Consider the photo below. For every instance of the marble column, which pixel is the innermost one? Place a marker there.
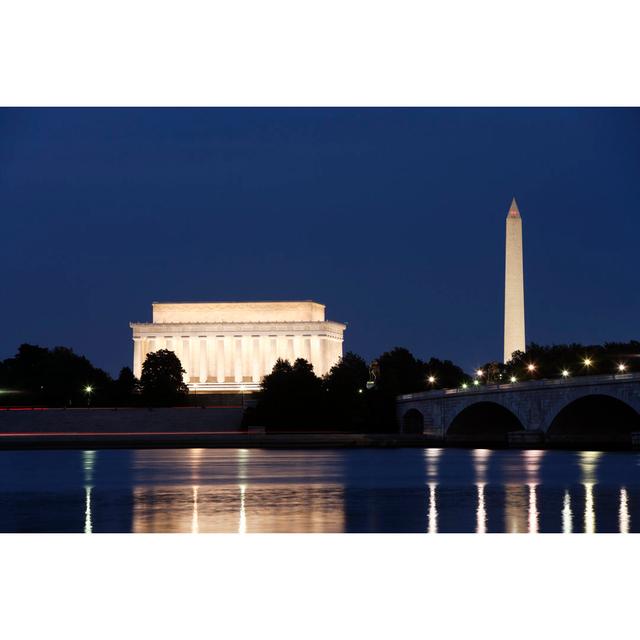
(297, 347)
(186, 358)
(237, 357)
(257, 359)
(229, 374)
(212, 364)
(273, 352)
(203, 359)
(316, 354)
(137, 357)
(247, 357)
(220, 359)
(195, 358)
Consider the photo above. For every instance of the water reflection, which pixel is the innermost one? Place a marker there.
(589, 470)
(88, 465)
(533, 509)
(432, 458)
(247, 491)
(195, 525)
(567, 515)
(624, 517)
(220, 500)
(242, 525)
(481, 464)
(521, 500)
(433, 509)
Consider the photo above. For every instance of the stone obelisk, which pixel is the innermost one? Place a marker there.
(514, 339)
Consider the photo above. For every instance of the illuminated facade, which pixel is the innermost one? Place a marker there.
(514, 339)
(232, 345)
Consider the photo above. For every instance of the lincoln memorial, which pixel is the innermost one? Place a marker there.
(232, 345)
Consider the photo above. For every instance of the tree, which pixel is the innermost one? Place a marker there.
(291, 397)
(345, 392)
(401, 372)
(125, 387)
(54, 377)
(445, 373)
(162, 380)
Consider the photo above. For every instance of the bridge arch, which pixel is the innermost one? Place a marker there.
(484, 420)
(594, 417)
(413, 422)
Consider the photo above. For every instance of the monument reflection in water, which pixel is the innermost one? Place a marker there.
(365, 490)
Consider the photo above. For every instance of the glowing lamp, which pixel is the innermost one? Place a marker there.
(565, 373)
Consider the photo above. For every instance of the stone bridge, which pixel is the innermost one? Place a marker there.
(589, 408)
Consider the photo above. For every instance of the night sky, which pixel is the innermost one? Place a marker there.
(393, 218)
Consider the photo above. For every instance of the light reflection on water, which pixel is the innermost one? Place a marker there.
(88, 462)
(589, 468)
(365, 490)
(567, 515)
(481, 465)
(625, 518)
(432, 456)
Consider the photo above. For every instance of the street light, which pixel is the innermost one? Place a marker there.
(479, 373)
(464, 385)
(622, 367)
(513, 379)
(587, 362)
(476, 383)
(88, 391)
(431, 379)
(565, 373)
(531, 367)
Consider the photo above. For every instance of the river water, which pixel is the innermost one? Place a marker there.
(346, 490)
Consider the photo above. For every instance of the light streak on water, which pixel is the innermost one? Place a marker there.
(589, 509)
(589, 468)
(481, 513)
(433, 509)
(432, 458)
(195, 524)
(242, 525)
(88, 466)
(88, 525)
(567, 515)
(624, 516)
(533, 509)
(481, 463)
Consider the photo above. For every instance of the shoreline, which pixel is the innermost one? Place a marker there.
(243, 440)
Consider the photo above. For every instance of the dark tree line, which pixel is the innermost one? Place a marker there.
(59, 377)
(352, 397)
(563, 360)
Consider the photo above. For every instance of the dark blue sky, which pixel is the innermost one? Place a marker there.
(393, 218)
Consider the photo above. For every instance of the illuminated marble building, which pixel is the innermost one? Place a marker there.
(228, 346)
(514, 335)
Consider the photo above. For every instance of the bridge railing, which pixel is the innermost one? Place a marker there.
(527, 384)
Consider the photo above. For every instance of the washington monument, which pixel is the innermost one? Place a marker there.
(514, 339)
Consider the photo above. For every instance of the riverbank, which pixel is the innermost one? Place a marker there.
(244, 440)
